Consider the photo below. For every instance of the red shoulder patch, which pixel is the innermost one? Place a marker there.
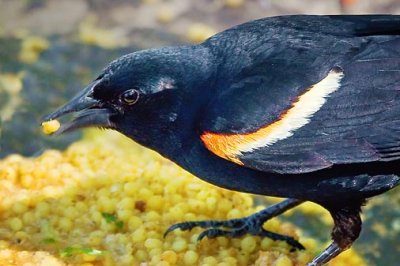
(299, 114)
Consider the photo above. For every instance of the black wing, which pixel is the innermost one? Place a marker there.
(357, 122)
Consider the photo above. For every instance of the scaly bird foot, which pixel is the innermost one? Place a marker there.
(252, 224)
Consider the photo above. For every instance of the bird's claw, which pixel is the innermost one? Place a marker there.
(182, 226)
(236, 228)
(187, 226)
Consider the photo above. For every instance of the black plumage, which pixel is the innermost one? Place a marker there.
(299, 107)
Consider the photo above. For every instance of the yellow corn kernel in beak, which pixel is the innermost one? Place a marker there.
(50, 127)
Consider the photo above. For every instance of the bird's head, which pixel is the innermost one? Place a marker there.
(142, 94)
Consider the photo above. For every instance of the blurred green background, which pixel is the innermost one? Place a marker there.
(49, 49)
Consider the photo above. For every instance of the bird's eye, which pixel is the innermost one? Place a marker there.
(129, 97)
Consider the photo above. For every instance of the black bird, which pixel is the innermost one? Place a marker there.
(299, 107)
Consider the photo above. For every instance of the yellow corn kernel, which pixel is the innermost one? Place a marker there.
(27, 181)
(4, 244)
(210, 260)
(141, 255)
(163, 263)
(96, 238)
(65, 223)
(248, 244)
(88, 258)
(155, 252)
(165, 15)
(211, 203)
(283, 261)
(198, 32)
(169, 256)
(155, 202)
(28, 217)
(19, 208)
(190, 257)
(234, 214)
(152, 216)
(81, 207)
(8, 173)
(70, 212)
(243, 258)
(126, 203)
(309, 243)
(131, 188)
(266, 243)
(152, 243)
(31, 49)
(139, 235)
(126, 259)
(303, 258)
(179, 245)
(134, 222)
(85, 264)
(50, 127)
(107, 204)
(15, 224)
(223, 241)
(230, 260)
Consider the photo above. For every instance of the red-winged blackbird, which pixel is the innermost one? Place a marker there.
(301, 107)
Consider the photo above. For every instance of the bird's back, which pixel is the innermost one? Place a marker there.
(259, 40)
(268, 65)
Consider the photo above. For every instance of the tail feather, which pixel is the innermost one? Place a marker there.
(371, 25)
(380, 183)
(367, 185)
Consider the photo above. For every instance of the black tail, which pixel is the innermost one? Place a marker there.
(366, 186)
(379, 184)
(372, 25)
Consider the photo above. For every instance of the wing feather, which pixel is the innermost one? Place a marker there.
(357, 123)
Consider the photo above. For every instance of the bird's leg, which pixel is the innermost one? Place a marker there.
(329, 253)
(346, 230)
(252, 224)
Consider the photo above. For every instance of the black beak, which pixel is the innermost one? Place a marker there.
(89, 112)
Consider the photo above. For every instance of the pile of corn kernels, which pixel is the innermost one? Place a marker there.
(107, 201)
